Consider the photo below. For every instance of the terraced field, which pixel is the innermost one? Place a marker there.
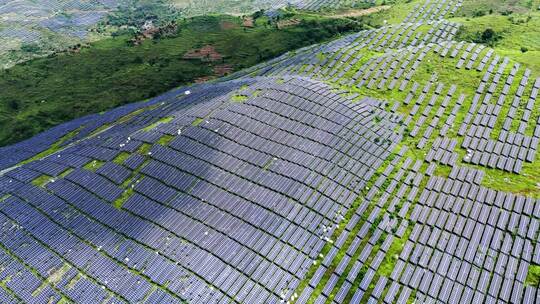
(394, 165)
(32, 29)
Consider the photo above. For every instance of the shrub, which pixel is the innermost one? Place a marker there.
(13, 105)
(488, 37)
(479, 13)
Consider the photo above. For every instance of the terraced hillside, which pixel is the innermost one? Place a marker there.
(31, 29)
(394, 165)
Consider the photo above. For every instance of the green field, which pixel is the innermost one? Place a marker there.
(42, 93)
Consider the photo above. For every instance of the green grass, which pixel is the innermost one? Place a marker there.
(239, 98)
(94, 165)
(443, 171)
(144, 149)
(134, 178)
(159, 122)
(45, 92)
(516, 30)
(467, 81)
(165, 139)
(533, 275)
(120, 158)
(472, 8)
(65, 173)
(123, 198)
(396, 14)
(197, 121)
(391, 257)
(41, 180)
(527, 183)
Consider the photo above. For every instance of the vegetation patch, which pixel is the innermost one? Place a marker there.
(508, 32)
(119, 202)
(65, 173)
(94, 165)
(197, 121)
(357, 12)
(533, 275)
(165, 139)
(159, 122)
(121, 158)
(144, 149)
(239, 98)
(42, 180)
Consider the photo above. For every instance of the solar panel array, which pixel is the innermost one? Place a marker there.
(235, 207)
(328, 4)
(271, 6)
(278, 184)
(32, 21)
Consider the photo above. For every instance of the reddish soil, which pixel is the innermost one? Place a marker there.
(287, 23)
(222, 69)
(226, 25)
(219, 71)
(248, 22)
(206, 53)
(202, 79)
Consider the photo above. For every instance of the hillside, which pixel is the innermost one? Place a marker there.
(397, 164)
(42, 93)
(33, 29)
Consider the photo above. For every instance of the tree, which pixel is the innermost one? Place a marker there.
(488, 35)
(13, 105)
(138, 60)
(30, 47)
(258, 14)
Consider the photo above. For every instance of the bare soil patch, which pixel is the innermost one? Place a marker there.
(287, 23)
(248, 22)
(227, 25)
(222, 69)
(206, 53)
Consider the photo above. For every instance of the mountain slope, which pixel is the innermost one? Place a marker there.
(33, 29)
(392, 165)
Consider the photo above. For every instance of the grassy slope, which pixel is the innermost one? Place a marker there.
(514, 35)
(517, 22)
(515, 30)
(45, 92)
